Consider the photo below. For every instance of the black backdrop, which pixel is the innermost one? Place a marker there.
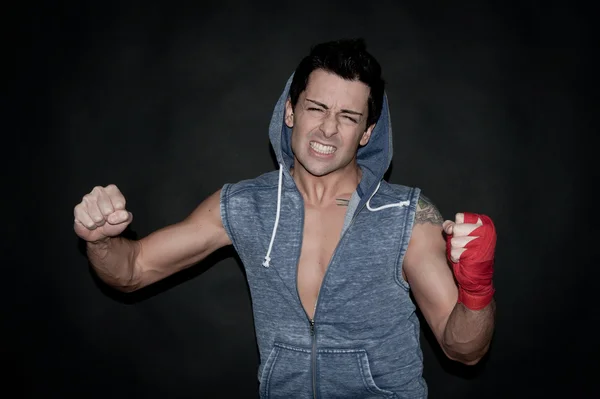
(490, 105)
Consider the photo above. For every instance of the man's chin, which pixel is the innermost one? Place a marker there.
(316, 172)
(323, 169)
(322, 172)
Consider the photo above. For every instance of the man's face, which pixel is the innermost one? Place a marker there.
(329, 123)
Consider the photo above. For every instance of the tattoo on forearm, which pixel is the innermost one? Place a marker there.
(427, 212)
(342, 202)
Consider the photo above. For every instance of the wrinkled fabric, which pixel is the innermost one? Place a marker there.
(364, 342)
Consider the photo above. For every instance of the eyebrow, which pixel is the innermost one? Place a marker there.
(345, 111)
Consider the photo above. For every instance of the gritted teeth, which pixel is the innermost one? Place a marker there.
(322, 149)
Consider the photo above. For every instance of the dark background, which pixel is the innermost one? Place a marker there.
(491, 108)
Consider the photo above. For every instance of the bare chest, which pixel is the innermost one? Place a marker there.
(321, 235)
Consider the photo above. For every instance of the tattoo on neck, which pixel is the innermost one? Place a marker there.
(342, 202)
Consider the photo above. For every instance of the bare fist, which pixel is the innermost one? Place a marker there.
(101, 214)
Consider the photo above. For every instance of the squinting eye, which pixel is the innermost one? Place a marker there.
(351, 119)
(315, 109)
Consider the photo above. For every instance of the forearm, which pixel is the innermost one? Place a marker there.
(113, 260)
(468, 333)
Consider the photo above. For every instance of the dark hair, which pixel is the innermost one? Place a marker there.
(349, 59)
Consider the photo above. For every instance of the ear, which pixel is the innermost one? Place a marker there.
(289, 114)
(367, 135)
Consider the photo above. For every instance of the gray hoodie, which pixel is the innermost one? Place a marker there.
(364, 339)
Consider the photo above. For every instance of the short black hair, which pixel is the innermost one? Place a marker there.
(349, 59)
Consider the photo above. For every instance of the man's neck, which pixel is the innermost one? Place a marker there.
(329, 189)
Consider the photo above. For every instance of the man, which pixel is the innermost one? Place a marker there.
(331, 250)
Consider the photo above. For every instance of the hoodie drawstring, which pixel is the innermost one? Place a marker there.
(398, 204)
(267, 261)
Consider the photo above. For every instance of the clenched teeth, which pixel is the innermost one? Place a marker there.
(322, 149)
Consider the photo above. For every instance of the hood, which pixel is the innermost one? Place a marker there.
(374, 159)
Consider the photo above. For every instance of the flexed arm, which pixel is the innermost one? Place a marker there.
(451, 279)
(128, 265)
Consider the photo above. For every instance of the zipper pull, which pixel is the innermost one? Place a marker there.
(312, 327)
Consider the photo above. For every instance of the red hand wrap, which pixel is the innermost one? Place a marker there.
(475, 267)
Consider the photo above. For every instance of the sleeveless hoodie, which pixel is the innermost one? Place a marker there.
(363, 341)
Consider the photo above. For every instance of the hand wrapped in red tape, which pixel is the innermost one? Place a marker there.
(470, 247)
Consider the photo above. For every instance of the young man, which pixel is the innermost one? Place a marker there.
(331, 250)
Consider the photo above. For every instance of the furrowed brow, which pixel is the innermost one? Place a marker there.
(344, 111)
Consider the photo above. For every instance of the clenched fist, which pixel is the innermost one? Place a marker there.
(470, 247)
(460, 235)
(101, 214)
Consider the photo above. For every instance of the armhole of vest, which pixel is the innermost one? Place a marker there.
(224, 209)
(409, 221)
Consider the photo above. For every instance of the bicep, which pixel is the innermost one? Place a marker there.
(183, 244)
(428, 273)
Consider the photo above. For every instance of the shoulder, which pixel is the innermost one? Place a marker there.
(266, 181)
(424, 209)
(398, 191)
(427, 240)
(427, 212)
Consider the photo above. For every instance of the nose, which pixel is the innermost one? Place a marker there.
(329, 125)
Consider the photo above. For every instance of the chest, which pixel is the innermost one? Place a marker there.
(321, 234)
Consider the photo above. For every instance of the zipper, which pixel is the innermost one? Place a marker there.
(313, 357)
(311, 322)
